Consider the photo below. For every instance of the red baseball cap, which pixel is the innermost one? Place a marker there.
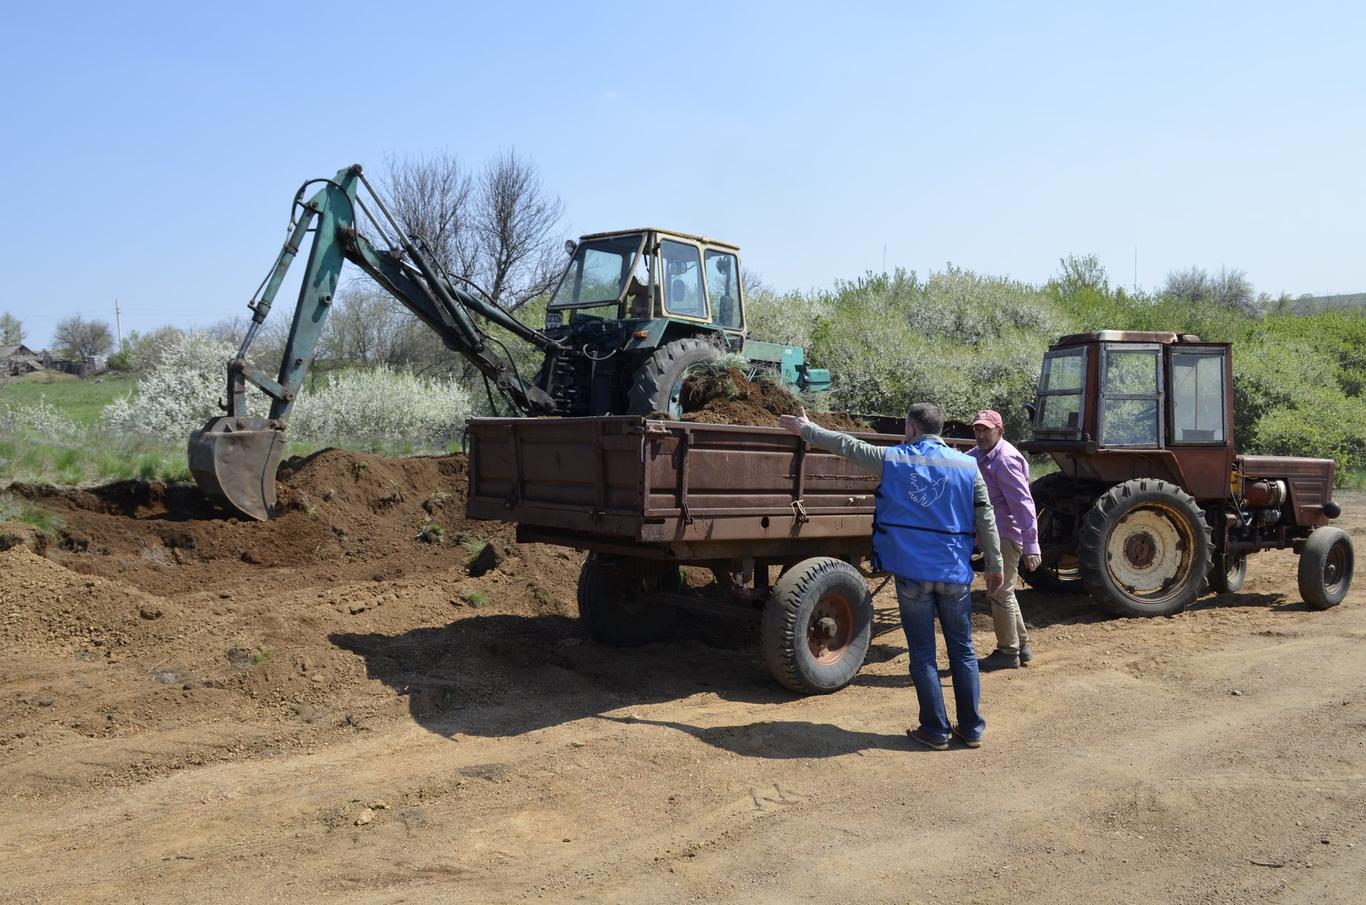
(990, 418)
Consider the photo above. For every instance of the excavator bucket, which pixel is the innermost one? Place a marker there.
(235, 459)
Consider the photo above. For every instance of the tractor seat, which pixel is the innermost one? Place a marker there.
(678, 293)
(725, 311)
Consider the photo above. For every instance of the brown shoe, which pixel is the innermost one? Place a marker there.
(929, 741)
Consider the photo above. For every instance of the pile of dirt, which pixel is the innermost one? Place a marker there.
(151, 614)
(342, 514)
(731, 398)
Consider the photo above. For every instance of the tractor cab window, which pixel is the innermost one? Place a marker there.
(682, 279)
(1060, 393)
(723, 288)
(1198, 396)
(598, 273)
(1131, 396)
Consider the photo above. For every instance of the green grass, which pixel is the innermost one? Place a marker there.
(14, 510)
(80, 399)
(1352, 480)
(92, 458)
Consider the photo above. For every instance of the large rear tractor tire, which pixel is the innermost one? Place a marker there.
(616, 599)
(817, 625)
(1144, 548)
(658, 384)
(1059, 573)
(1326, 567)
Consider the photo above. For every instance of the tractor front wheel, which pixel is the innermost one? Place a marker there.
(1326, 567)
(1144, 548)
(658, 384)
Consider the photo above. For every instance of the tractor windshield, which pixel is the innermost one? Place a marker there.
(1060, 392)
(598, 273)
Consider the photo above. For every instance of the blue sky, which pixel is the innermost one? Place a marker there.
(150, 151)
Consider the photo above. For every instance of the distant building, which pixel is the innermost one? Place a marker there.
(18, 359)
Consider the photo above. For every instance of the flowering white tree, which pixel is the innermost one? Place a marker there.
(375, 407)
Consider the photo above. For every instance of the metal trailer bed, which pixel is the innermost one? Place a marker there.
(646, 496)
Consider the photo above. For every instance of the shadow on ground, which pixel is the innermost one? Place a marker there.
(783, 739)
(506, 675)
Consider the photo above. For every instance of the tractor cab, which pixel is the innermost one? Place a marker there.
(1150, 502)
(1116, 405)
(649, 275)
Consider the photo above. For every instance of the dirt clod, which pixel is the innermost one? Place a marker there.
(731, 398)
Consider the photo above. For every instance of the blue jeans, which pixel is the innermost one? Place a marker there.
(920, 601)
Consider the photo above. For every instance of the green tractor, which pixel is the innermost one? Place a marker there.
(661, 303)
(634, 312)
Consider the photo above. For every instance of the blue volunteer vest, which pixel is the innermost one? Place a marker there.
(923, 523)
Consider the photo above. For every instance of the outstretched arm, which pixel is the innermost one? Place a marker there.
(865, 455)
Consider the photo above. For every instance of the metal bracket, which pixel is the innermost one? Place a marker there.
(683, 445)
(515, 490)
(799, 510)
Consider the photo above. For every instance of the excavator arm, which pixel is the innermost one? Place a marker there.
(235, 456)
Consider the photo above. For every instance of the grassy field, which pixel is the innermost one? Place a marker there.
(80, 399)
(90, 454)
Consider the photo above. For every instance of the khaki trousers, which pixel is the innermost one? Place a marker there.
(1011, 633)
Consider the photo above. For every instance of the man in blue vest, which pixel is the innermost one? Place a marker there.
(931, 502)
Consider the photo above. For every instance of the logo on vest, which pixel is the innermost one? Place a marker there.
(925, 492)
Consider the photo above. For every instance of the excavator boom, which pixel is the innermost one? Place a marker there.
(235, 456)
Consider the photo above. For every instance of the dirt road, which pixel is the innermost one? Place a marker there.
(326, 708)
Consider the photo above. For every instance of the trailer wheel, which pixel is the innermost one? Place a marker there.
(616, 602)
(1326, 567)
(1144, 548)
(659, 382)
(1059, 573)
(817, 624)
(1228, 574)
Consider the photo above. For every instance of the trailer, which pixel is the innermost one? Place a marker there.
(782, 526)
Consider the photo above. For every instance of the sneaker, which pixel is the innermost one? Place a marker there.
(970, 742)
(1025, 655)
(929, 741)
(999, 660)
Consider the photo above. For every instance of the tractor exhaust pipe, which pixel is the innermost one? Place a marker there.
(235, 459)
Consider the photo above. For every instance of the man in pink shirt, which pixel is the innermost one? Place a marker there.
(1006, 473)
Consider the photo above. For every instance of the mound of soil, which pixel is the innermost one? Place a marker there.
(731, 398)
(153, 615)
(342, 514)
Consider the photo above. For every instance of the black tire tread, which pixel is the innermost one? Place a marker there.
(1221, 582)
(1312, 561)
(1041, 579)
(652, 380)
(781, 632)
(603, 624)
(1091, 545)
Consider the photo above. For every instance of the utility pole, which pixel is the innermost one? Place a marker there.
(118, 324)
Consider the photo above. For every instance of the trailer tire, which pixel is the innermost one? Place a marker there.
(1144, 548)
(615, 599)
(817, 625)
(658, 381)
(1228, 574)
(1326, 567)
